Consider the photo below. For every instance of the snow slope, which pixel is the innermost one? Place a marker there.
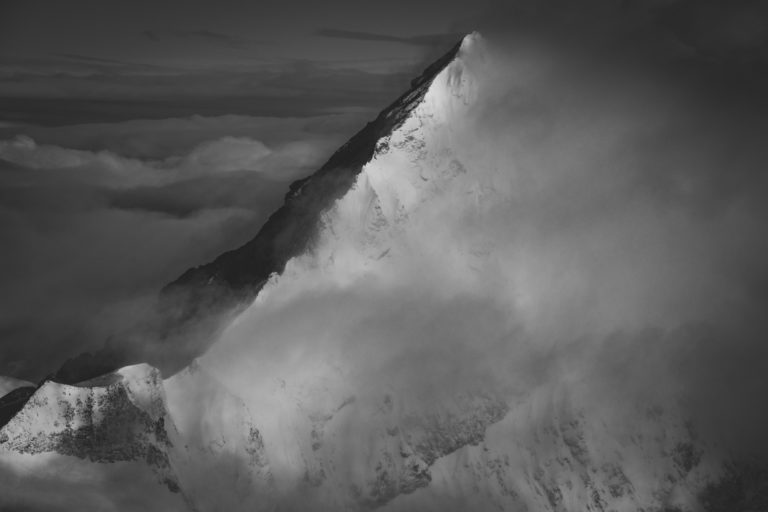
(101, 435)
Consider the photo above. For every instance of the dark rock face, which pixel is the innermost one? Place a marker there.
(13, 402)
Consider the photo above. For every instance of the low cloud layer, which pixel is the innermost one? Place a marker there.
(90, 235)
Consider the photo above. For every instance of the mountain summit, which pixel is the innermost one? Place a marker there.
(235, 277)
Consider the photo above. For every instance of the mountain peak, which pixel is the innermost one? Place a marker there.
(199, 302)
(469, 41)
(237, 276)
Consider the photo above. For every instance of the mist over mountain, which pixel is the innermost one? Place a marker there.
(536, 281)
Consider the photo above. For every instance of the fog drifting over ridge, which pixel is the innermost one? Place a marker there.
(553, 224)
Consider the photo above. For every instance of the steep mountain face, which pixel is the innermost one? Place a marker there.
(417, 343)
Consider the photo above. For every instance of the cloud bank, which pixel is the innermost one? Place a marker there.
(90, 235)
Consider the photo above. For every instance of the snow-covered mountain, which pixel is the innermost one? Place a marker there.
(131, 440)
(418, 342)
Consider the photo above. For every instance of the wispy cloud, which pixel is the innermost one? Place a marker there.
(202, 35)
(74, 91)
(87, 59)
(420, 40)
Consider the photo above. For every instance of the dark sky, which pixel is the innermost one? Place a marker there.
(94, 61)
(91, 61)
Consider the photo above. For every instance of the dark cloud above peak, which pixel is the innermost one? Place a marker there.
(177, 59)
(203, 36)
(86, 58)
(418, 40)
